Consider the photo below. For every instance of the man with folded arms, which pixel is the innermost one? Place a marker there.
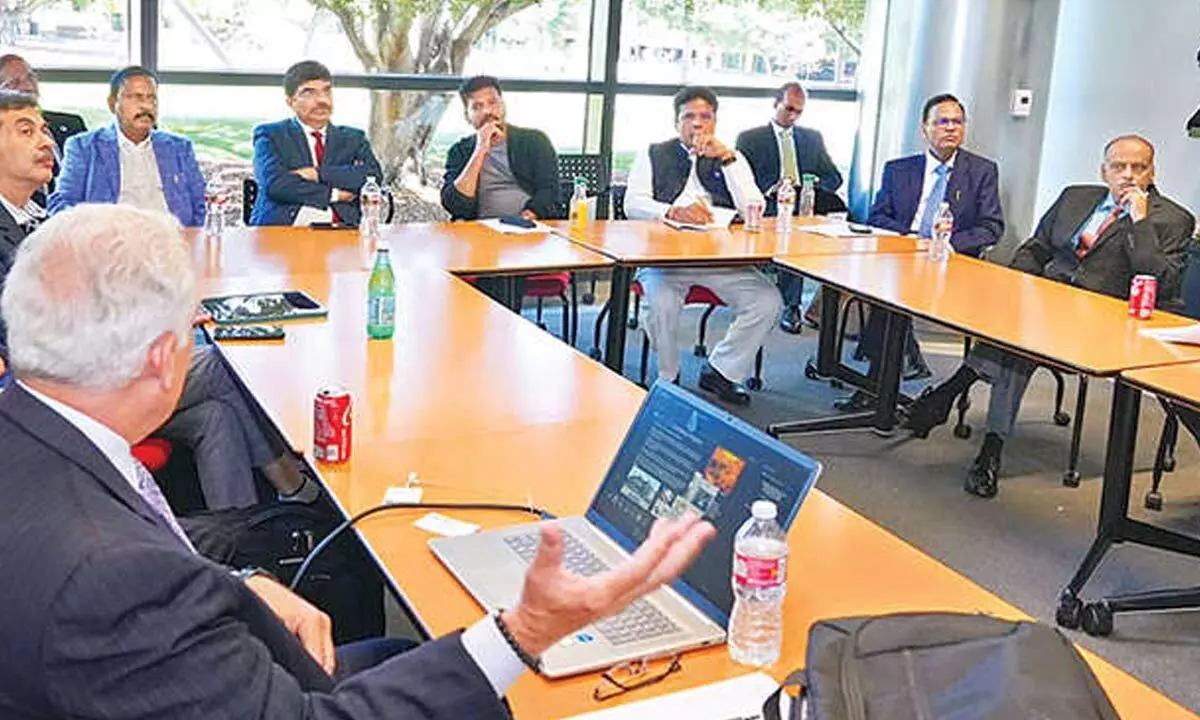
(115, 614)
(681, 179)
(1096, 237)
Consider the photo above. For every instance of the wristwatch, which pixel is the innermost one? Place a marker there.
(245, 574)
(531, 662)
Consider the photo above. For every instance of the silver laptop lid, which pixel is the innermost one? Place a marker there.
(683, 452)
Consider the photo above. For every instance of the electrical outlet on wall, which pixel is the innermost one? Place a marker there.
(1022, 102)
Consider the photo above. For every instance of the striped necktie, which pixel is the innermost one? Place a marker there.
(149, 491)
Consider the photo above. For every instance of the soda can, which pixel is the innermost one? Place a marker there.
(332, 425)
(1143, 294)
(754, 216)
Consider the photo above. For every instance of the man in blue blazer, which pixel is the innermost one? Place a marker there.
(114, 614)
(912, 191)
(308, 169)
(132, 162)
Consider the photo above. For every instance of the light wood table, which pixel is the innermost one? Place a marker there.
(650, 243)
(485, 407)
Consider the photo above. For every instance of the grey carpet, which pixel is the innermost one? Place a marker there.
(1023, 545)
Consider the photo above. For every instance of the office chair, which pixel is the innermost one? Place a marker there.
(590, 167)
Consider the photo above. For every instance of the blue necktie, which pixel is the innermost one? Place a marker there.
(934, 203)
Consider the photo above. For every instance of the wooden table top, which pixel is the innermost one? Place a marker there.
(483, 406)
(463, 248)
(650, 242)
(1080, 330)
(1179, 382)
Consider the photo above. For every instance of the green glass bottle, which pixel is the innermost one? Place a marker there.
(381, 298)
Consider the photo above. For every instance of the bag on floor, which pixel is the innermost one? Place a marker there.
(276, 537)
(938, 666)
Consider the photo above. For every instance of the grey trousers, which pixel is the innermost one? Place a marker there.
(224, 432)
(1009, 376)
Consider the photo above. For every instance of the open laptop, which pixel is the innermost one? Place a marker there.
(680, 452)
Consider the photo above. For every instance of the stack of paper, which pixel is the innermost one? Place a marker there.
(721, 219)
(738, 699)
(1186, 335)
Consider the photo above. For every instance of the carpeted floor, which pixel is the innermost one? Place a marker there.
(1023, 545)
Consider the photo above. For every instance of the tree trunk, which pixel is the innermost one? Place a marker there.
(402, 127)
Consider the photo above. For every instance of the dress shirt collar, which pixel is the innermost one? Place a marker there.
(932, 161)
(126, 144)
(308, 131)
(110, 444)
(25, 214)
(781, 131)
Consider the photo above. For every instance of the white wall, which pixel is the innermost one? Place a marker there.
(1123, 66)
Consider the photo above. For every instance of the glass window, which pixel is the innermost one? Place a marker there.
(63, 33)
(836, 120)
(724, 42)
(88, 100)
(543, 40)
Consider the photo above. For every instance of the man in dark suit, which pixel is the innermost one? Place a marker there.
(1096, 237)
(16, 74)
(115, 614)
(912, 191)
(308, 169)
(502, 169)
(783, 149)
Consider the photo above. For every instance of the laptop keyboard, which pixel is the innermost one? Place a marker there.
(640, 621)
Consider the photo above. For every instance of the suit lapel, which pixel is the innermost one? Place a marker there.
(166, 169)
(62, 437)
(1076, 215)
(11, 234)
(296, 133)
(108, 159)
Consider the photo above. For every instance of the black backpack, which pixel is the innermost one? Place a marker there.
(343, 581)
(942, 666)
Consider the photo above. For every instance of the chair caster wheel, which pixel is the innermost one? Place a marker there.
(588, 298)
(1154, 501)
(810, 372)
(1097, 619)
(754, 383)
(1068, 612)
(962, 432)
(1070, 478)
(594, 353)
(632, 323)
(700, 351)
(1169, 464)
(1062, 419)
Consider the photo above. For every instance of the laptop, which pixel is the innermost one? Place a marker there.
(681, 452)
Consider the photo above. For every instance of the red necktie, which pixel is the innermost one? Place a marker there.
(319, 153)
(1087, 240)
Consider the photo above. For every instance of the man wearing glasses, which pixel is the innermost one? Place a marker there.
(910, 195)
(682, 179)
(1096, 237)
(308, 169)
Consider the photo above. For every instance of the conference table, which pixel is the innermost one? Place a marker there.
(484, 407)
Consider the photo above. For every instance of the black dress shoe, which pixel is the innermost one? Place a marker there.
(792, 322)
(983, 479)
(930, 409)
(726, 389)
(860, 401)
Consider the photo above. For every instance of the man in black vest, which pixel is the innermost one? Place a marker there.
(681, 179)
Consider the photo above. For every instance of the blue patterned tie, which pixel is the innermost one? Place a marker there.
(934, 203)
(149, 491)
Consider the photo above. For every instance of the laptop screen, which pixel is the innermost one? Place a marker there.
(682, 452)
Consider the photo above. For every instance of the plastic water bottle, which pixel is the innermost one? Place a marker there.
(371, 206)
(759, 584)
(381, 298)
(943, 227)
(785, 201)
(214, 209)
(578, 212)
(808, 196)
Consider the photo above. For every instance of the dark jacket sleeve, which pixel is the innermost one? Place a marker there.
(1159, 247)
(1033, 254)
(352, 175)
(818, 162)
(70, 186)
(541, 170)
(138, 635)
(458, 205)
(989, 227)
(883, 210)
(276, 179)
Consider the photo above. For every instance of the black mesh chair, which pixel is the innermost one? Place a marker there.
(250, 195)
(589, 167)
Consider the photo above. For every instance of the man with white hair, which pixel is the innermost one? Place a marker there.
(115, 614)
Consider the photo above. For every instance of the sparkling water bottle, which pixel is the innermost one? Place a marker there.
(808, 196)
(381, 298)
(785, 200)
(943, 227)
(214, 209)
(371, 206)
(759, 584)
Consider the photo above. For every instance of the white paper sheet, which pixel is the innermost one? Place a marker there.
(721, 219)
(1186, 335)
(839, 230)
(740, 698)
(495, 224)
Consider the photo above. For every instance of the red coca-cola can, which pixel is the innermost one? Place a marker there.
(332, 424)
(1143, 294)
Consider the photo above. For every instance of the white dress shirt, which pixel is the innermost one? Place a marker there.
(30, 212)
(639, 197)
(482, 641)
(141, 182)
(309, 214)
(931, 166)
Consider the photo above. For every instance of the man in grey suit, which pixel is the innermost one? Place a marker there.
(1096, 237)
(115, 615)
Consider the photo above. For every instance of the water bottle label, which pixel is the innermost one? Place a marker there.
(756, 572)
(382, 310)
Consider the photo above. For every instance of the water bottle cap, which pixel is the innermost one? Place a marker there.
(763, 510)
(371, 178)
